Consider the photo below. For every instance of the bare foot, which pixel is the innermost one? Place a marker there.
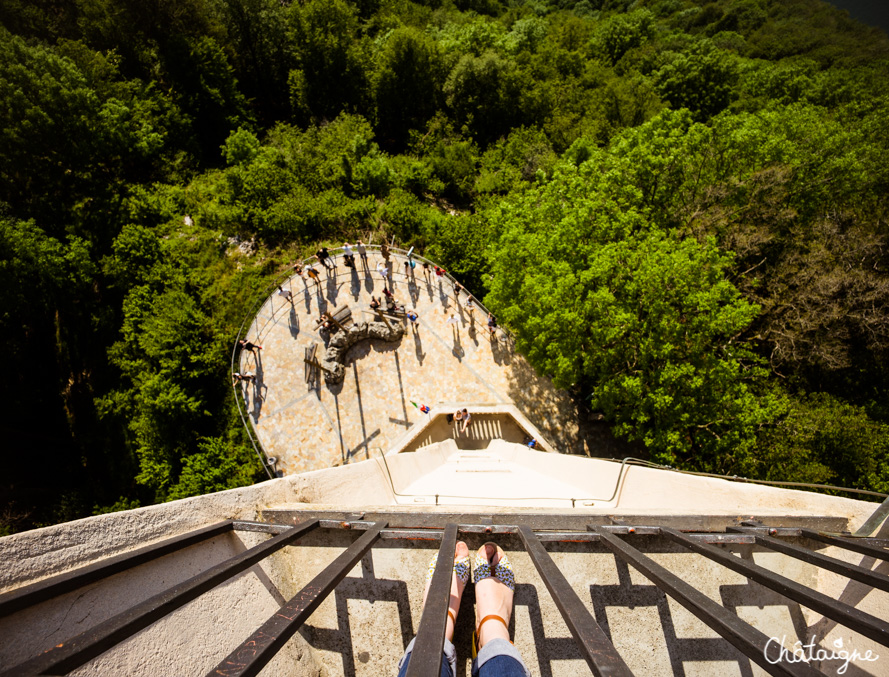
(457, 586)
(493, 598)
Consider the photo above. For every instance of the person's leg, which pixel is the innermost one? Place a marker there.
(448, 661)
(459, 579)
(494, 591)
(499, 658)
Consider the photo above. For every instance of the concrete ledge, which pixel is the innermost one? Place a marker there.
(41, 553)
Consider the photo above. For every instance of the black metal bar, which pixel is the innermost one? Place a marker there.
(54, 586)
(854, 544)
(252, 656)
(427, 654)
(592, 641)
(406, 534)
(857, 573)
(748, 640)
(861, 622)
(262, 527)
(548, 521)
(872, 523)
(76, 651)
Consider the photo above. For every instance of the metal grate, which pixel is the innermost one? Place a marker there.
(534, 531)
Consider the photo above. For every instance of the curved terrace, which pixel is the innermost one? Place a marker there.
(307, 423)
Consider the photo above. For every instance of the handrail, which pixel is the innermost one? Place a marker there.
(617, 486)
(629, 460)
(269, 291)
(735, 478)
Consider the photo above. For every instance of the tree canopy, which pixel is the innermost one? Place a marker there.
(679, 207)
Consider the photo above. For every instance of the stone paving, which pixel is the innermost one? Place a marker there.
(310, 425)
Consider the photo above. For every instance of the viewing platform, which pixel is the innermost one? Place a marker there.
(308, 424)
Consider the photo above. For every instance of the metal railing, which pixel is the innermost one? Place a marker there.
(623, 540)
(574, 501)
(747, 480)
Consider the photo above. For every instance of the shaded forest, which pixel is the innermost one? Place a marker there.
(679, 207)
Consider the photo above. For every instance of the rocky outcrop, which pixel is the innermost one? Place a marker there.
(335, 354)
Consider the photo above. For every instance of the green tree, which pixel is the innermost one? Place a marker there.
(525, 156)
(263, 55)
(484, 93)
(331, 76)
(643, 322)
(207, 91)
(216, 466)
(407, 84)
(824, 440)
(622, 32)
(700, 79)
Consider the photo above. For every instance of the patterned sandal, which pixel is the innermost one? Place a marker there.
(461, 568)
(503, 572)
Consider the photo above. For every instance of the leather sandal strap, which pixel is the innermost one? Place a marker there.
(452, 617)
(489, 617)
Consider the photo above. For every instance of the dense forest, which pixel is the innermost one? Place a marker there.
(679, 208)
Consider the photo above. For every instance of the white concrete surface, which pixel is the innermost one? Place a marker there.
(363, 627)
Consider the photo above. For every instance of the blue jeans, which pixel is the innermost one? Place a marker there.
(498, 658)
(448, 660)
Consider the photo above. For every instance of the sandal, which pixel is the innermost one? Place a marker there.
(503, 572)
(461, 568)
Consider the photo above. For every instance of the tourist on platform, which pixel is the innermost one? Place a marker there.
(348, 256)
(467, 419)
(324, 258)
(312, 273)
(247, 345)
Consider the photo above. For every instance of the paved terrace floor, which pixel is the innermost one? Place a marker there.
(314, 426)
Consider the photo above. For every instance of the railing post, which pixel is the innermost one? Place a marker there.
(258, 649)
(743, 636)
(592, 641)
(427, 654)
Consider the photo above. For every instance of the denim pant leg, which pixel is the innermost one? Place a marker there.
(499, 658)
(448, 662)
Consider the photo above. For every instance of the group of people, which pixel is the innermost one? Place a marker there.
(463, 419)
(246, 377)
(325, 259)
(383, 268)
(349, 252)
